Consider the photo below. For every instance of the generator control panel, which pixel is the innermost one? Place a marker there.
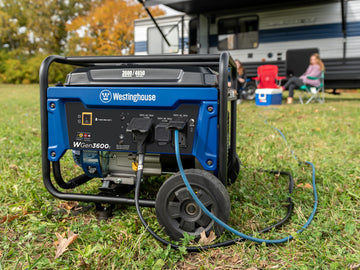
(106, 129)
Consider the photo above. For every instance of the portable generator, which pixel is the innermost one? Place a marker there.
(118, 116)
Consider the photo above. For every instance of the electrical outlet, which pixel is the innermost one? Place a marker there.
(182, 140)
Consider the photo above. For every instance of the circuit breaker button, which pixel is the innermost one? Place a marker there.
(87, 118)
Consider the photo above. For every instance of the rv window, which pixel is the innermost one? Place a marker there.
(238, 33)
(157, 44)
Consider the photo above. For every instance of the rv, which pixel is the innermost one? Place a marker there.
(256, 32)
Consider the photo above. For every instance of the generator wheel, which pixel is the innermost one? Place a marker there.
(233, 168)
(178, 213)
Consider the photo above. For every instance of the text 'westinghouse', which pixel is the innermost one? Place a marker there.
(133, 97)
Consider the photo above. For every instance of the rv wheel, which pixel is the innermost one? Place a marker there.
(249, 92)
(178, 213)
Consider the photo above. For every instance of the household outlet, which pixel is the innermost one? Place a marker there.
(182, 140)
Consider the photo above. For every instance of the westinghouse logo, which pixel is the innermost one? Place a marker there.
(133, 97)
(105, 96)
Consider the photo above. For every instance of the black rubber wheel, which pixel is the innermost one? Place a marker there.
(233, 168)
(249, 92)
(177, 212)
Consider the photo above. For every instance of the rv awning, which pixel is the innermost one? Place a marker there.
(208, 6)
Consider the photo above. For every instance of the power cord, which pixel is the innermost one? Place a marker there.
(222, 244)
(221, 223)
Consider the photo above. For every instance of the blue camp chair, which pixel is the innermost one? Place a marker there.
(312, 92)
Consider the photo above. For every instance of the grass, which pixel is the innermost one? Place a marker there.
(326, 134)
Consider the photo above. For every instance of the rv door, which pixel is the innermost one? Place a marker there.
(193, 36)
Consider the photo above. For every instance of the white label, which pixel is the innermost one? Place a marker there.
(133, 73)
(91, 145)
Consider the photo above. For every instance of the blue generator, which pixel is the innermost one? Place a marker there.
(117, 117)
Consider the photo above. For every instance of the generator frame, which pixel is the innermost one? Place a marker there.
(222, 63)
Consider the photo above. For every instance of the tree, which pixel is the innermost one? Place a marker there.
(12, 35)
(107, 29)
(33, 26)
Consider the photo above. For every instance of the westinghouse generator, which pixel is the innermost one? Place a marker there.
(123, 119)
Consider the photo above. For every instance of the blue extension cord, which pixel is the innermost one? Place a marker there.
(221, 223)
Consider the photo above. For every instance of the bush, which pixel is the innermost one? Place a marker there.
(25, 70)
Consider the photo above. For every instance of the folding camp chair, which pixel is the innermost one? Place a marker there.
(312, 92)
(268, 77)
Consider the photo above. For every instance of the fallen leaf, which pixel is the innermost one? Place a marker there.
(206, 240)
(340, 190)
(14, 167)
(62, 243)
(69, 205)
(307, 185)
(56, 242)
(354, 266)
(10, 218)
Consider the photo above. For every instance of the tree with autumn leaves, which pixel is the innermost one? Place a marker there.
(108, 29)
(32, 29)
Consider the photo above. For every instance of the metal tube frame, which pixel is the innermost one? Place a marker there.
(215, 62)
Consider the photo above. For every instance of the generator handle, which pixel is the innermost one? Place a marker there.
(211, 60)
(226, 62)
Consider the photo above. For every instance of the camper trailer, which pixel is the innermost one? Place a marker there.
(284, 33)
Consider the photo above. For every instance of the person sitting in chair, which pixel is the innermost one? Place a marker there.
(314, 70)
(241, 72)
(241, 76)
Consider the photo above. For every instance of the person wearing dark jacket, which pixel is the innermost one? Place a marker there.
(241, 73)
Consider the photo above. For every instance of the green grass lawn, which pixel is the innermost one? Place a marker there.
(326, 134)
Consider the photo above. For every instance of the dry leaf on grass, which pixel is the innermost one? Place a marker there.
(10, 218)
(354, 266)
(69, 205)
(13, 167)
(307, 185)
(206, 240)
(62, 243)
